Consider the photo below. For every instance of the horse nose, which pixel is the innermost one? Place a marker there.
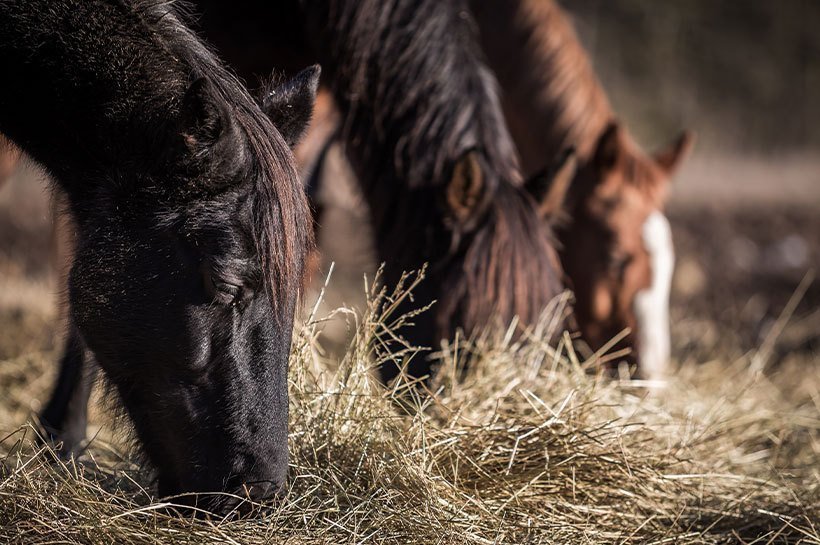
(242, 498)
(251, 499)
(262, 491)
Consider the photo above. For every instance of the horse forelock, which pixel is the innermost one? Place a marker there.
(510, 265)
(280, 211)
(639, 171)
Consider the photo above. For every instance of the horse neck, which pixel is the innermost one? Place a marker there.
(414, 96)
(87, 82)
(552, 98)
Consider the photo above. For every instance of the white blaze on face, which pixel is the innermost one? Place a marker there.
(652, 304)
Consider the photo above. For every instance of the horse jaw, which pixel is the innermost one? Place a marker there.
(652, 305)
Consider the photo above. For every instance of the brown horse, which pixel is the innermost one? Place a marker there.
(616, 244)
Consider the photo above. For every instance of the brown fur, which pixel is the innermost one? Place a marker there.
(552, 98)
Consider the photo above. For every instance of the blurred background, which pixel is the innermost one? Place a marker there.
(746, 73)
(745, 207)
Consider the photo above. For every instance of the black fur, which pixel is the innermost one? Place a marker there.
(193, 231)
(291, 103)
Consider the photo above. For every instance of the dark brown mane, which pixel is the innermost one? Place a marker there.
(391, 85)
(509, 269)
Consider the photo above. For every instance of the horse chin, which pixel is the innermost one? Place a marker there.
(651, 305)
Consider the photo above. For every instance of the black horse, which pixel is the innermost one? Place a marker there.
(192, 233)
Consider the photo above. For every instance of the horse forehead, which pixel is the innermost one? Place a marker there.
(623, 215)
(635, 171)
(230, 214)
(648, 180)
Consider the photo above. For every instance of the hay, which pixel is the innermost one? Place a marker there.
(512, 442)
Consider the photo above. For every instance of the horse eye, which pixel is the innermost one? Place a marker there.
(618, 264)
(221, 291)
(227, 293)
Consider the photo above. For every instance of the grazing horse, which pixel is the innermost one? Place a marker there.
(192, 231)
(616, 246)
(426, 136)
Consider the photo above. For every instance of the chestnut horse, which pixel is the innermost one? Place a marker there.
(616, 245)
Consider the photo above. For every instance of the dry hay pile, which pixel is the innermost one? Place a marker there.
(516, 442)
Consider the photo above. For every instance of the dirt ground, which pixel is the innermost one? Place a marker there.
(746, 235)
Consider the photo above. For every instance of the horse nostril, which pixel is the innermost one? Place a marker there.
(248, 499)
(246, 503)
(261, 491)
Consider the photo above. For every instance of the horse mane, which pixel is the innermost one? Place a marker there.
(280, 206)
(511, 269)
(415, 97)
(387, 63)
(544, 70)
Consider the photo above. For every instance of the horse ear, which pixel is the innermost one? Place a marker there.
(206, 121)
(290, 104)
(670, 158)
(549, 187)
(466, 188)
(210, 133)
(609, 147)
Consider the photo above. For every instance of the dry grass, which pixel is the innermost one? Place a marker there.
(514, 442)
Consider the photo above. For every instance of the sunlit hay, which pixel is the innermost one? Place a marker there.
(513, 440)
